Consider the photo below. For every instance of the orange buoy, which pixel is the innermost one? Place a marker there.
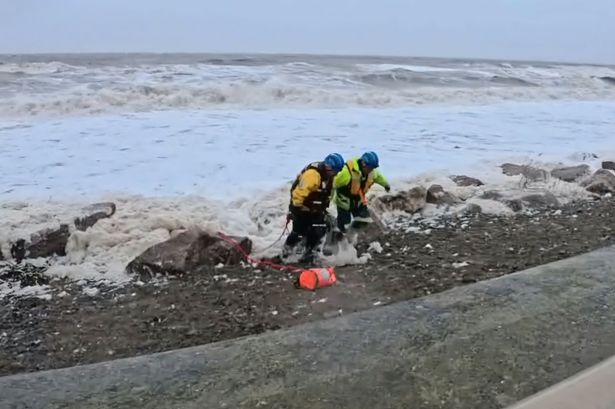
(316, 278)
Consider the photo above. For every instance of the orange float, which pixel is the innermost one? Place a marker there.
(315, 278)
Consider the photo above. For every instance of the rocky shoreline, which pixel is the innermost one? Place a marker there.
(85, 322)
(75, 327)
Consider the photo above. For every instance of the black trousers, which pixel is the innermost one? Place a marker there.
(344, 217)
(308, 225)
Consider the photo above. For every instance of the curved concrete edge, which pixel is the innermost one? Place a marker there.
(591, 389)
(486, 345)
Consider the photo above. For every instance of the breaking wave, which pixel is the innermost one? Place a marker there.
(80, 86)
(140, 98)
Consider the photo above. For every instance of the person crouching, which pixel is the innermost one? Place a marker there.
(351, 186)
(310, 195)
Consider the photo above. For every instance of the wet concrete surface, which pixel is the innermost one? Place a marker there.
(589, 389)
(486, 345)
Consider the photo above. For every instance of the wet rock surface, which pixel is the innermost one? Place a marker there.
(610, 165)
(410, 201)
(529, 172)
(438, 196)
(47, 243)
(601, 182)
(463, 181)
(187, 252)
(571, 173)
(52, 241)
(543, 200)
(93, 214)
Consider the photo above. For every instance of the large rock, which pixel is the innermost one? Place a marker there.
(540, 201)
(601, 182)
(571, 173)
(45, 243)
(48, 242)
(438, 196)
(410, 201)
(529, 172)
(463, 181)
(608, 165)
(52, 242)
(93, 214)
(186, 252)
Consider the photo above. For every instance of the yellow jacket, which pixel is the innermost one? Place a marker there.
(351, 185)
(311, 191)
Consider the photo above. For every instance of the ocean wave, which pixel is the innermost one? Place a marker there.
(37, 68)
(511, 81)
(401, 76)
(97, 99)
(60, 88)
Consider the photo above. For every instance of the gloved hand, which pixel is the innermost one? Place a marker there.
(289, 217)
(387, 188)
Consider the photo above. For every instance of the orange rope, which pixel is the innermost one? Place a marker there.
(250, 259)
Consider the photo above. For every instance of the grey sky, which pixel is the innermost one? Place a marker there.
(568, 30)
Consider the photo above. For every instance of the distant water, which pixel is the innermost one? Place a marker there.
(82, 84)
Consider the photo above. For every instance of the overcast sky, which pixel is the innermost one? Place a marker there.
(565, 30)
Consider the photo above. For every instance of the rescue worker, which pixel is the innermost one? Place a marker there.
(351, 186)
(310, 197)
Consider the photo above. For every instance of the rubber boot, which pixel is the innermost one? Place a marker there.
(308, 257)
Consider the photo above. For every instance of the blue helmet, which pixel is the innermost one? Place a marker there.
(370, 159)
(335, 161)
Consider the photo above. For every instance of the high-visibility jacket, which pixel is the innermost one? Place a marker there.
(312, 188)
(351, 185)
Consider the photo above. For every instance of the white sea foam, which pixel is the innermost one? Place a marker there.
(103, 251)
